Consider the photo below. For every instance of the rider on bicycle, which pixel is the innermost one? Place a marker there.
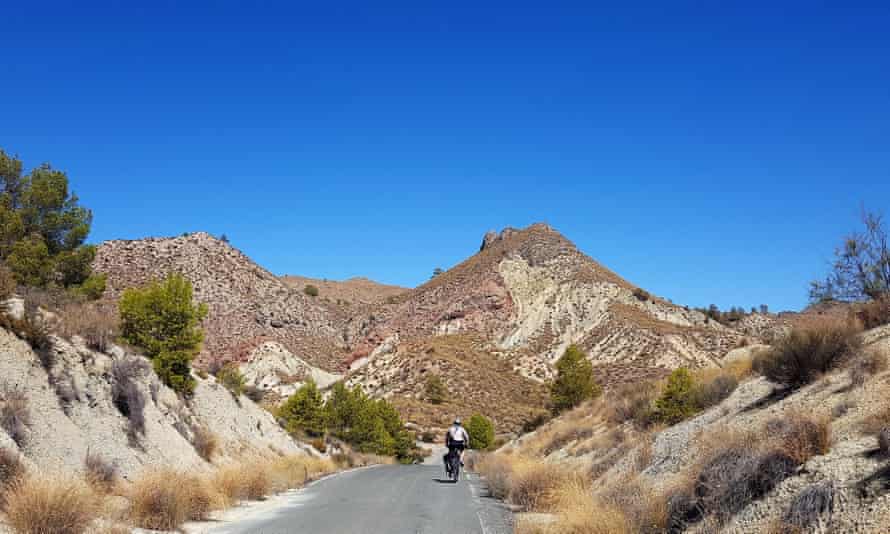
(457, 439)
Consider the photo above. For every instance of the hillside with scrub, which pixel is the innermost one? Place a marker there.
(787, 437)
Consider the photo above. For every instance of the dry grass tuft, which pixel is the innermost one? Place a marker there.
(578, 512)
(15, 414)
(11, 470)
(533, 484)
(95, 322)
(866, 365)
(99, 473)
(206, 443)
(632, 402)
(165, 499)
(37, 505)
(801, 436)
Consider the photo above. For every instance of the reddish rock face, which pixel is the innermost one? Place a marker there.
(247, 304)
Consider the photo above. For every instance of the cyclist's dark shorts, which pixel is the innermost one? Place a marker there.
(457, 445)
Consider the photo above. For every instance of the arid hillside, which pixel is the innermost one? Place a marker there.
(248, 305)
(530, 293)
(357, 291)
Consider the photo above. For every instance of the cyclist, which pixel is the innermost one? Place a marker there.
(457, 440)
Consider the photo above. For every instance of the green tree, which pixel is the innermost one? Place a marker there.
(342, 409)
(303, 411)
(437, 271)
(574, 380)
(678, 400)
(435, 389)
(162, 319)
(481, 431)
(38, 208)
(30, 261)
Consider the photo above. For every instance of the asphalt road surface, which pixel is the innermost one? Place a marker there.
(381, 500)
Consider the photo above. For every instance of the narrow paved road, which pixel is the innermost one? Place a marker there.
(381, 500)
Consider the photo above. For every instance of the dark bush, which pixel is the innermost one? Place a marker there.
(633, 402)
(884, 441)
(15, 415)
(806, 354)
(311, 290)
(641, 294)
(11, 470)
(481, 431)
(428, 436)
(810, 505)
(254, 393)
(125, 392)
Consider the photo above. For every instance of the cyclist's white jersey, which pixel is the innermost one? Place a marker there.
(458, 433)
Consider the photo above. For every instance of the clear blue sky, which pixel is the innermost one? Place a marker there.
(705, 152)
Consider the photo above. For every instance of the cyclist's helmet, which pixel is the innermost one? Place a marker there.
(457, 420)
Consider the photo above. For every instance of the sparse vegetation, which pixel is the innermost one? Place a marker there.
(11, 470)
(15, 414)
(641, 294)
(807, 353)
(165, 499)
(808, 507)
(574, 381)
(678, 398)
(861, 268)
(161, 319)
(435, 389)
(96, 323)
(311, 290)
(481, 431)
(206, 443)
(865, 365)
(99, 473)
(38, 505)
(125, 392)
(230, 377)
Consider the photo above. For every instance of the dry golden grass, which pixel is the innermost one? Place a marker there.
(164, 499)
(206, 443)
(51, 505)
(578, 513)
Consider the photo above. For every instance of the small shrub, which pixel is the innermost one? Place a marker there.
(254, 393)
(714, 390)
(100, 474)
(532, 424)
(884, 441)
(125, 392)
(866, 365)
(497, 469)
(92, 288)
(11, 470)
(801, 436)
(319, 445)
(435, 389)
(428, 436)
(678, 399)
(806, 354)
(641, 294)
(303, 411)
(205, 442)
(231, 378)
(579, 512)
(874, 313)
(50, 506)
(481, 431)
(174, 369)
(15, 415)
(311, 290)
(8, 284)
(633, 402)
(809, 506)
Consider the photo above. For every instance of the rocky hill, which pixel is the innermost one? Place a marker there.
(248, 305)
(531, 293)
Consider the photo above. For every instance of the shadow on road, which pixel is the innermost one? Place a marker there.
(444, 481)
